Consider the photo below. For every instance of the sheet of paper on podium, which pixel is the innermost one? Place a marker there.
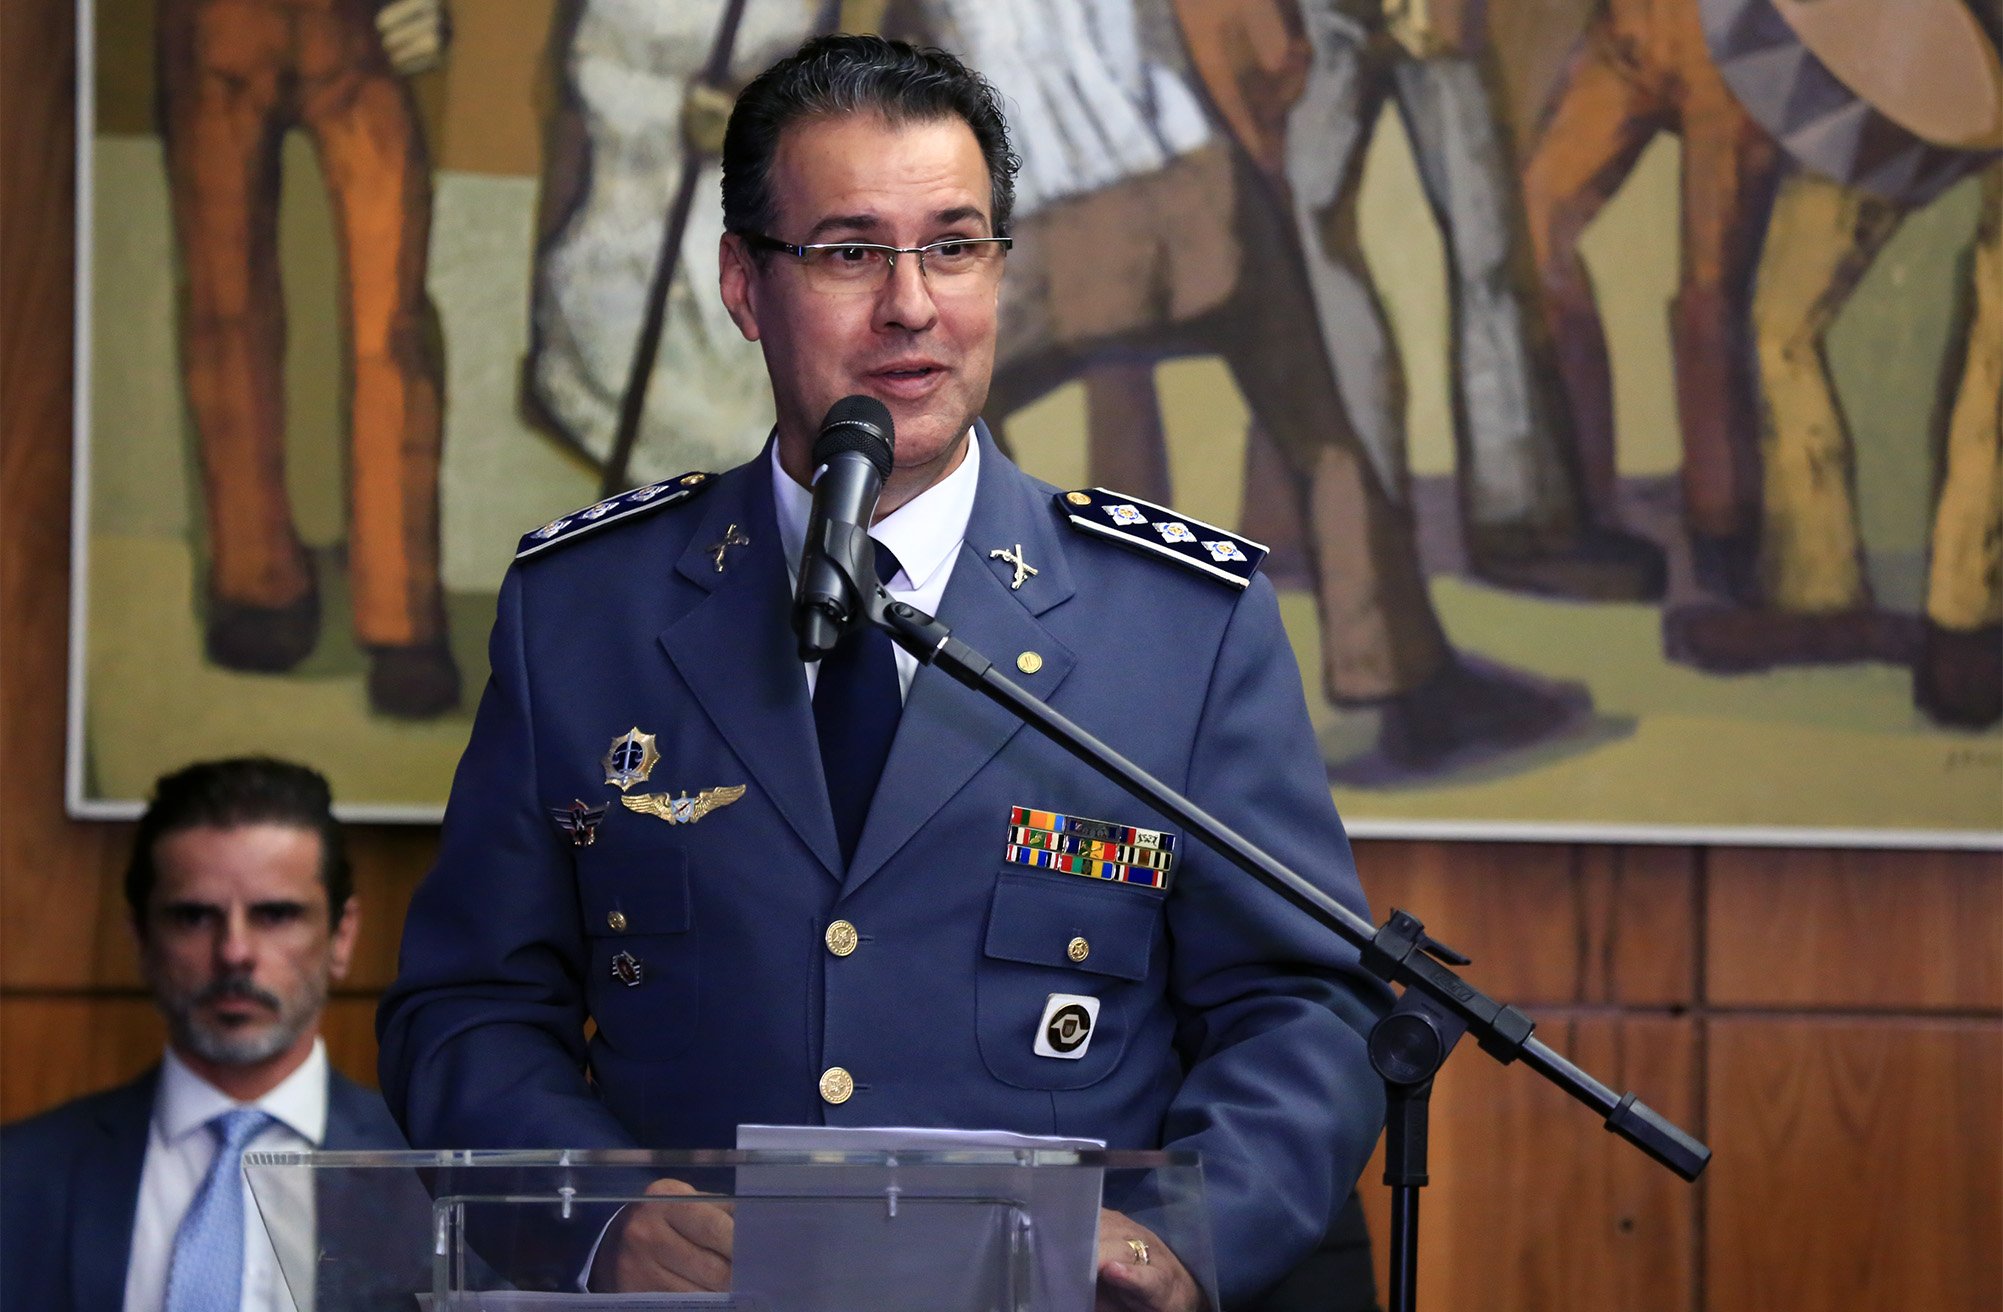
(522, 1300)
(948, 1238)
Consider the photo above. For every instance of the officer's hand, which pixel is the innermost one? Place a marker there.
(675, 1248)
(414, 34)
(1127, 1284)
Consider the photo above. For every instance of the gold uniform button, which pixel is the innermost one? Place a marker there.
(1078, 949)
(1029, 662)
(841, 938)
(836, 1085)
(1078, 498)
(616, 920)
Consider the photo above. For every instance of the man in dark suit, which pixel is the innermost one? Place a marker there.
(241, 902)
(855, 893)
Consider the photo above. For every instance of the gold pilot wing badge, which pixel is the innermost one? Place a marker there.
(684, 810)
(631, 758)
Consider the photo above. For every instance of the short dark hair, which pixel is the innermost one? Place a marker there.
(843, 74)
(245, 790)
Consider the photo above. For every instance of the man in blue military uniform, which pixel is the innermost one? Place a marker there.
(658, 823)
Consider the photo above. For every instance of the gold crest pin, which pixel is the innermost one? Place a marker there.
(684, 810)
(631, 759)
(732, 537)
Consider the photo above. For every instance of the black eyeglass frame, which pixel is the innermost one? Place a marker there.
(758, 241)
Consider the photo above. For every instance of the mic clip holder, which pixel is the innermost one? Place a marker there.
(824, 616)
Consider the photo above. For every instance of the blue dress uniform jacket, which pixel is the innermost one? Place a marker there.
(1229, 1022)
(69, 1191)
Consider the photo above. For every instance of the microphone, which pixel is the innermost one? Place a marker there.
(852, 458)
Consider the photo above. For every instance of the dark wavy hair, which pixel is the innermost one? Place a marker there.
(843, 74)
(246, 790)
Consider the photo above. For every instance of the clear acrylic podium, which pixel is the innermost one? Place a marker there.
(990, 1230)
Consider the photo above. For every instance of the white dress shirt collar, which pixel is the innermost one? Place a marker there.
(179, 1153)
(924, 533)
(186, 1102)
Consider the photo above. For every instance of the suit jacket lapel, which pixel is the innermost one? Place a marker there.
(108, 1194)
(364, 1255)
(948, 731)
(357, 1120)
(734, 648)
(347, 1129)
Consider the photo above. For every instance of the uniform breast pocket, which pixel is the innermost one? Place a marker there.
(644, 956)
(1060, 948)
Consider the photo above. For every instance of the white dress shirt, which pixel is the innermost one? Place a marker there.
(179, 1148)
(924, 534)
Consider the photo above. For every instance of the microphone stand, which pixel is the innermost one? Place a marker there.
(1436, 1007)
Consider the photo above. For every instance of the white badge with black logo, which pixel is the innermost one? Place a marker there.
(1066, 1028)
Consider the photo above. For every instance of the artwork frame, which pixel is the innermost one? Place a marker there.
(1202, 450)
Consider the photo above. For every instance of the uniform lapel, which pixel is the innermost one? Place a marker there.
(949, 731)
(735, 650)
(107, 1189)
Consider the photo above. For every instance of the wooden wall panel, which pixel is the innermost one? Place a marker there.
(350, 1029)
(50, 902)
(1858, 929)
(389, 863)
(1547, 923)
(62, 909)
(1859, 1165)
(63, 927)
(58, 1048)
(1533, 1205)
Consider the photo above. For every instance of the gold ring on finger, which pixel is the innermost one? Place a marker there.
(1140, 1250)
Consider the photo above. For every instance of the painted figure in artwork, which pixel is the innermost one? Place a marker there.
(1147, 230)
(1642, 68)
(1834, 82)
(235, 77)
(1526, 523)
(639, 117)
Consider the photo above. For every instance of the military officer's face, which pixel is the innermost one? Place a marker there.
(237, 943)
(922, 344)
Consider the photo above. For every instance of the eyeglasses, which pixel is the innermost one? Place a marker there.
(952, 264)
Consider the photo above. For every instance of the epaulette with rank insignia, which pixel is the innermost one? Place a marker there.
(1159, 531)
(568, 528)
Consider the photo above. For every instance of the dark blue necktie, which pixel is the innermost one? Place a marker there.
(856, 704)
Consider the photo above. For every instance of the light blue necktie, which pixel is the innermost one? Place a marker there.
(206, 1271)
